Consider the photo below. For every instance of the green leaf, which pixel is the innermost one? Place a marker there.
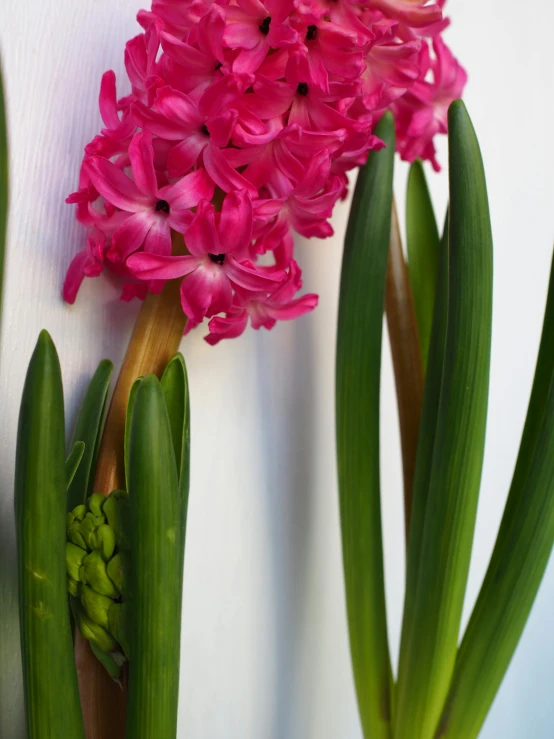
(156, 555)
(423, 252)
(358, 365)
(52, 701)
(519, 559)
(176, 392)
(437, 569)
(73, 461)
(427, 433)
(128, 419)
(88, 429)
(107, 661)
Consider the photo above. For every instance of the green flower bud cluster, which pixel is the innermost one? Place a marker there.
(97, 560)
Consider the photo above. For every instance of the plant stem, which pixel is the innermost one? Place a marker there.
(406, 357)
(155, 339)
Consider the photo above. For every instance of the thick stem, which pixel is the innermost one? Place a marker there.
(155, 339)
(406, 357)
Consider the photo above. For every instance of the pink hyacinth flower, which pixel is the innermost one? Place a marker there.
(218, 243)
(153, 211)
(263, 310)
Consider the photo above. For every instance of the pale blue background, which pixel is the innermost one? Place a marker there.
(264, 650)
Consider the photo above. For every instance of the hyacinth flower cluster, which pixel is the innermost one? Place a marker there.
(243, 120)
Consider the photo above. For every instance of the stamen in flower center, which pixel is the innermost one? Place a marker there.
(217, 258)
(204, 130)
(162, 205)
(302, 88)
(311, 33)
(264, 25)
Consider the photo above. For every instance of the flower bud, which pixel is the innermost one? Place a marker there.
(118, 572)
(74, 557)
(72, 587)
(96, 606)
(104, 541)
(115, 509)
(79, 512)
(93, 572)
(92, 631)
(95, 503)
(87, 527)
(74, 535)
(118, 617)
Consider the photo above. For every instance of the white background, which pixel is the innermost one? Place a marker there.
(264, 647)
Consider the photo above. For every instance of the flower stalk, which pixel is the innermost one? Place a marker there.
(406, 357)
(155, 339)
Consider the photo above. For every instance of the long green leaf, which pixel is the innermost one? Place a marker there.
(175, 388)
(88, 429)
(438, 581)
(52, 702)
(128, 419)
(360, 326)
(518, 562)
(11, 694)
(423, 252)
(73, 461)
(427, 434)
(156, 553)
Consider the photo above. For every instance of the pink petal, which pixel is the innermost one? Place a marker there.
(178, 107)
(230, 327)
(130, 235)
(202, 237)
(108, 100)
(223, 174)
(158, 239)
(235, 226)
(206, 291)
(247, 276)
(115, 186)
(82, 265)
(146, 266)
(184, 54)
(157, 123)
(189, 190)
(141, 155)
(184, 155)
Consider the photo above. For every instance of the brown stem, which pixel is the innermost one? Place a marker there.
(155, 339)
(406, 357)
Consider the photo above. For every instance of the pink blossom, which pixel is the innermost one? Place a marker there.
(217, 243)
(423, 111)
(153, 211)
(243, 119)
(263, 310)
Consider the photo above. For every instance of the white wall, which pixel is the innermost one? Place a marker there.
(264, 649)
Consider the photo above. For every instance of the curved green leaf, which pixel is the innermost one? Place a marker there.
(73, 461)
(128, 419)
(50, 676)
(156, 555)
(423, 252)
(520, 556)
(427, 433)
(438, 578)
(88, 429)
(358, 367)
(175, 387)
